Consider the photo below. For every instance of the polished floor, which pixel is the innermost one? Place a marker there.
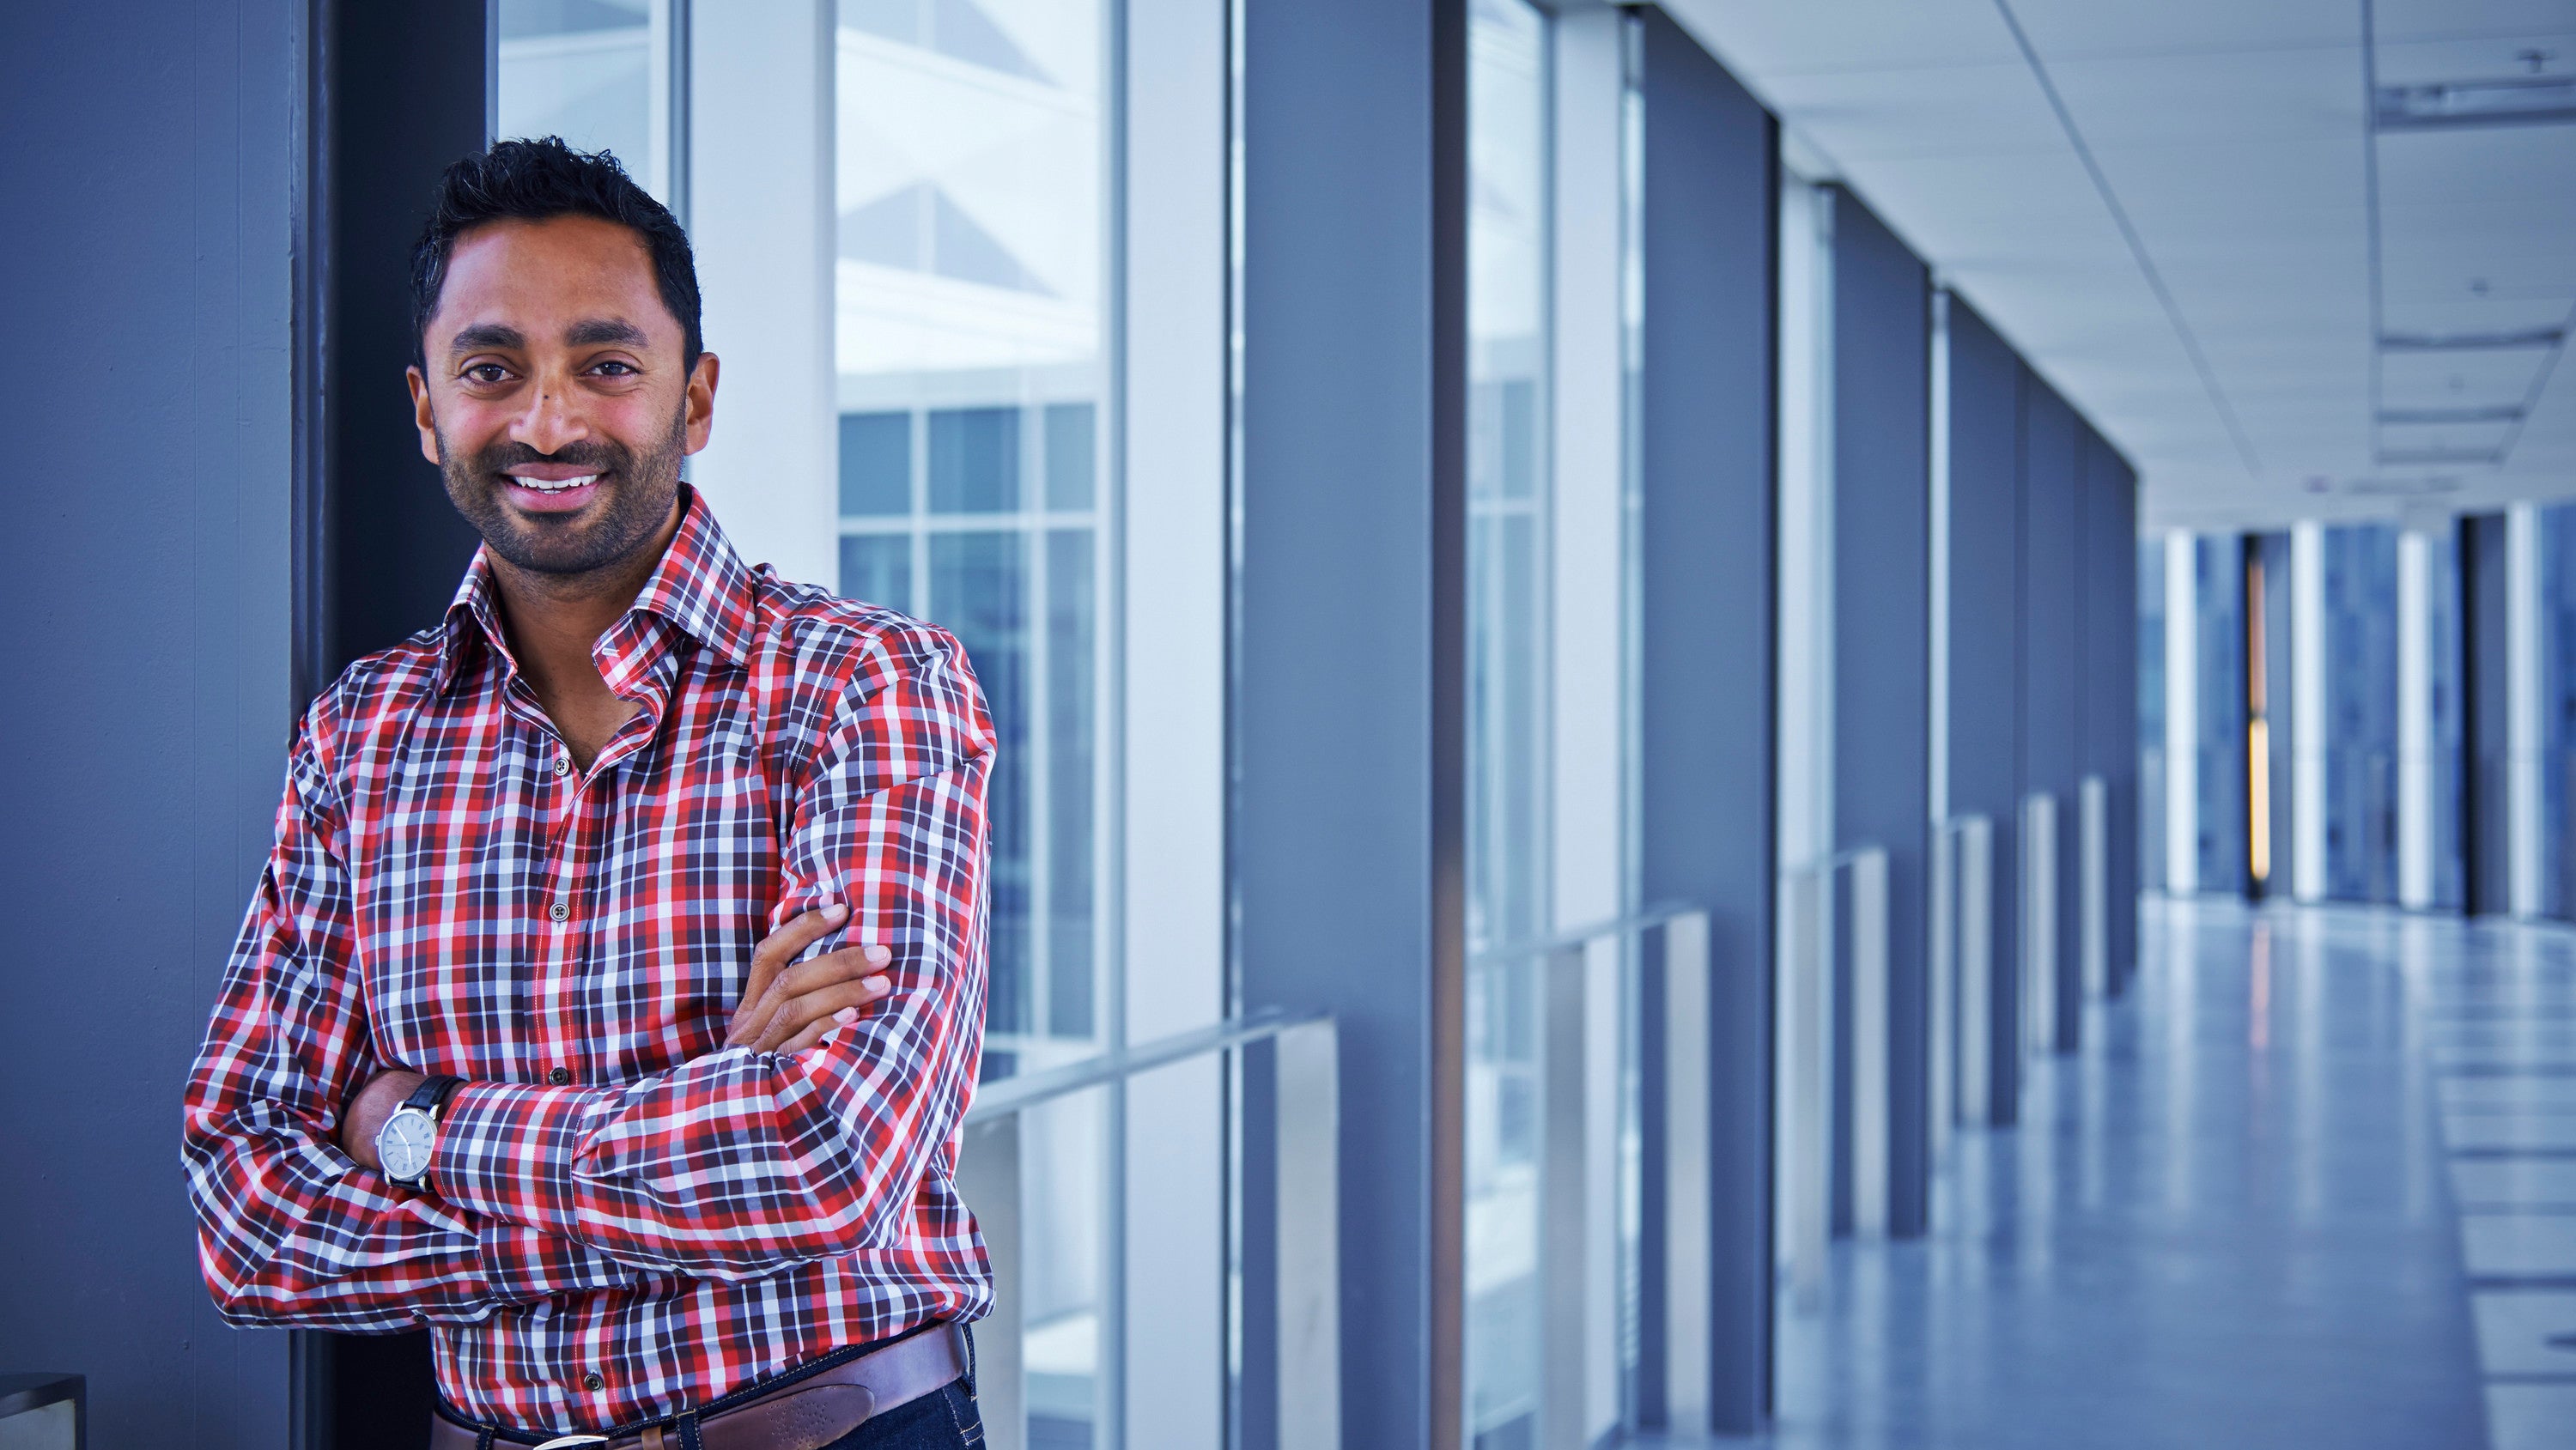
(2311, 1183)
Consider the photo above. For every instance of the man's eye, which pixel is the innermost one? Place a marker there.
(616, 369)
(487, 373)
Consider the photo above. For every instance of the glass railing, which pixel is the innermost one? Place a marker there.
(1116, 1198)
(1573, 1040)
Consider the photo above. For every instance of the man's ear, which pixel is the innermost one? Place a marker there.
(421, 416)
(701, 414)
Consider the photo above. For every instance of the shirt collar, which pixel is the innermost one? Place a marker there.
(701, 587)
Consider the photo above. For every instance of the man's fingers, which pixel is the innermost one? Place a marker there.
(814, 1034)
(773, 954)
(840, 966)
(815, 1011)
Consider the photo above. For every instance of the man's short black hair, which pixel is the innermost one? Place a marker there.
(535, 180)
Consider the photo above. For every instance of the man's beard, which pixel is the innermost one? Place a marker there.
(639, 492)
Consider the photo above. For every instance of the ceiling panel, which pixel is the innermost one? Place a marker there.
(2233, 135)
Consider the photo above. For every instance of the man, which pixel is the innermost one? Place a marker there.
(501, 1048)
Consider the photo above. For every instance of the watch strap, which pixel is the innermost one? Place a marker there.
(432, 1093)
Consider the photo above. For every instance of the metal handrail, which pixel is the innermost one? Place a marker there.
(1636, 923)
(1014, 1094)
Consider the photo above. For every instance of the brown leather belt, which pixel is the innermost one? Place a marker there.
(806, 1413)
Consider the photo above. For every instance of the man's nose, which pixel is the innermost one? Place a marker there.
(549, 422)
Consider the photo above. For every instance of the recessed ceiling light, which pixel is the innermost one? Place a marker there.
(2500, 413)
(2419, 457)
(2470, 341)
(2513, 101)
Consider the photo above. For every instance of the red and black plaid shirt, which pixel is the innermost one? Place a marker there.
(623, 1217)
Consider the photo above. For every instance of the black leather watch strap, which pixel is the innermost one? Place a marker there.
(432, 1093)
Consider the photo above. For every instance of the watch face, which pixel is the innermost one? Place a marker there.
(404, 1144)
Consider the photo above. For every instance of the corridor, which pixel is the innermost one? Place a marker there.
(2314, 1183)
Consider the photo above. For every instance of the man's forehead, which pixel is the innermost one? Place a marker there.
(583, 279)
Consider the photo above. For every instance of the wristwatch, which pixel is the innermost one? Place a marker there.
(403, 1143)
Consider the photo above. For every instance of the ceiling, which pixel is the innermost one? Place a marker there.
(2182, 215)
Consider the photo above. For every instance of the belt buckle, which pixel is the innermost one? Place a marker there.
(563, 1442)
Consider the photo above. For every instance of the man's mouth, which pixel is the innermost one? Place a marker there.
(540, 494)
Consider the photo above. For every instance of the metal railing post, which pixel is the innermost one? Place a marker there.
(1308, 1135)
(1806, 1059)
(1940, 1102)
(1690, 1311)
(2095, 924)
(2039, 923)
(1976, 1009)
(1565, 1190)
(1870, 1074)
(988, 1179)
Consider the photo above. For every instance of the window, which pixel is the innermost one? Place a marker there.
(601, 74)
(968, 284)
(1507, 683)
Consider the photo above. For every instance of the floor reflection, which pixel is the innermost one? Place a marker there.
(2311, 1182)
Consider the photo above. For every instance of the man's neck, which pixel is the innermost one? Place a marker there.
(554, 621)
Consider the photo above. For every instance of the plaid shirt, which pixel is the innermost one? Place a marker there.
(623, 1217)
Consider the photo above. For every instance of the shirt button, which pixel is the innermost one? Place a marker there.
(592, 1381)
(558, 911)
(559, 1076)
(563, 763)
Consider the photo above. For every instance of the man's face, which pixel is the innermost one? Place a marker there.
(554, 401)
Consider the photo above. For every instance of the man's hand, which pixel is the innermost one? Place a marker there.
(788, 1009)
(368, 1110)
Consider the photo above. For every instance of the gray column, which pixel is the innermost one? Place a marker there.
(2051, 665)
(1706, 420)
(2111, 643)
(1349, 649)
(2486, 830)
(146, 568)
(1882, 665)
(1985, 637)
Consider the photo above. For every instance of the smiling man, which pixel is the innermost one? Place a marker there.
(612, 998)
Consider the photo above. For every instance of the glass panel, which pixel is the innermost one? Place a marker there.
(974, 460)
(2152, 811)
(969, 283)
(2557, 611)
(1507, 770)
(1069, 451)
(2361, 712)
(2219, 577)
(978, 588)
(1072, 606)
(595, 72)
(876, 463)
(878, 569)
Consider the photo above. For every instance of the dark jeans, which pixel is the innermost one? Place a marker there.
(944, 1419)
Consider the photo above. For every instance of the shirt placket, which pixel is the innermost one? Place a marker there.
(563, 918)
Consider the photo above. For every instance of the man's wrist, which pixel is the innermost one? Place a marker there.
(368, 1110)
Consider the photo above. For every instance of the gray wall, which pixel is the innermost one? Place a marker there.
(1706, 441)
(146, 277)
(1349, 741)
(1882, 311)
(1985, 638)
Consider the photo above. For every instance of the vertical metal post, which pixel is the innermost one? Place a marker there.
(1564, 1194)
(1939, 1102)
(1869, 1034)
(988, 1179)
(2095, 850)
(1308, 1133)
(2039, 923)
(1976, 969)
(1806, 1062)
(1689, 1216)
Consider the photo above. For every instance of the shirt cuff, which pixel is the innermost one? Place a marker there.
(505, 1151)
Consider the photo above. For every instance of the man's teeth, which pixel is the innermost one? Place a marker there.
(557, 485)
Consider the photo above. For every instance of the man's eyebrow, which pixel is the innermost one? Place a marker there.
(487, 334)
(597, 331)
